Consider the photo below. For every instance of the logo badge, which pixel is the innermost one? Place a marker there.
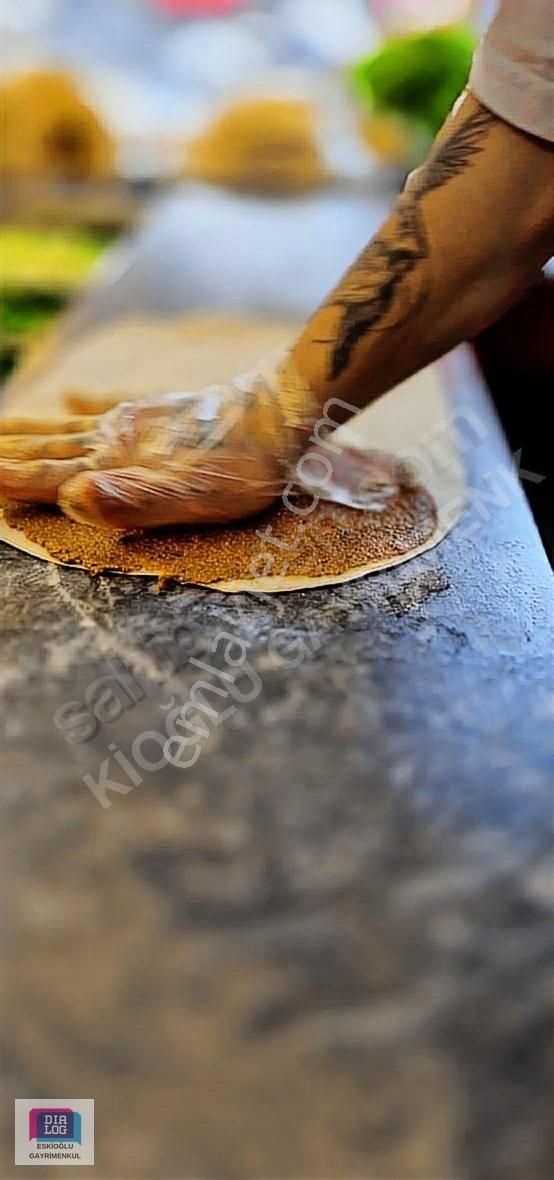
(54, 1131)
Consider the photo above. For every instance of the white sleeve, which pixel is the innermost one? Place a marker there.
(513, 67)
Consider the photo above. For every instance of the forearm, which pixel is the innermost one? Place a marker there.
(468, 234)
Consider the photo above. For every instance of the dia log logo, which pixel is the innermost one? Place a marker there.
(58, 1123)
(54, 1131)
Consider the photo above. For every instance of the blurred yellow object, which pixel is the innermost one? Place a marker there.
(49, 131)
(265, 144)
(48, 259)
(389, 136)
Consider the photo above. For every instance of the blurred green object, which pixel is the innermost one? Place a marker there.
(418, 76)
(24, 312)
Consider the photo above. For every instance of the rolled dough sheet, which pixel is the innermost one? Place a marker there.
(137, 357)
(146, 357)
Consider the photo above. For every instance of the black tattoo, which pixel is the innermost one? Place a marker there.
(367, 295)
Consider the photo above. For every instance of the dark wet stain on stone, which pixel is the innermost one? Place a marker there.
(417, 591)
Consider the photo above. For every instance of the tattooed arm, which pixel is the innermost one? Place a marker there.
(471, 230)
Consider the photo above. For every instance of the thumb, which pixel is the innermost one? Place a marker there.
(138, 498)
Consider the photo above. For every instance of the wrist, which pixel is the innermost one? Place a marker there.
(298, 406)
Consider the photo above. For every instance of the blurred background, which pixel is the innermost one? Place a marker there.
(204, 132)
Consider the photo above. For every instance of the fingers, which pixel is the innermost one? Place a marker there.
(45, 426)
(36, 457)
(136, 497)
(37, 480)
(92, 403)
(46, 446)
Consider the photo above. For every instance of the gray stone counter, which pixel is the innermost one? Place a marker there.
(323, 950)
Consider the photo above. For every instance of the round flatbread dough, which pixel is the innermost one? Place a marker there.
(290, 547)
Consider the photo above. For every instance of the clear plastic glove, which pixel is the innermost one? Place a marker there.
(178, 458)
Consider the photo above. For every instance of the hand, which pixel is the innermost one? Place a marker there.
(178, 458)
